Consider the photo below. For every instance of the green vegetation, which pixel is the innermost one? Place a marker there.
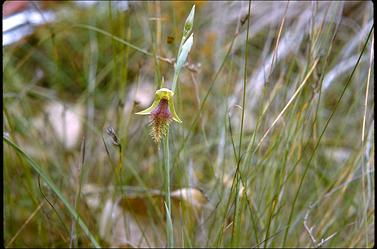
(275, 149)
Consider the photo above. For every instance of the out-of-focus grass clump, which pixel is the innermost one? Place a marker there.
(304, 176)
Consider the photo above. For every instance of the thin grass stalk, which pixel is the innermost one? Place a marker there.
(124, 42)
(220, 233)
(237, 212)
(198, 114)
(73, 236)
(25, 224)
(54, 188)
(121, 188)
(122, 122)
(155, 38)
(320, 137)
(119, 180)
(364, 166)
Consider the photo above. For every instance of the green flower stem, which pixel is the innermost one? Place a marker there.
(164, 93)
(175, 79)
(169, 225)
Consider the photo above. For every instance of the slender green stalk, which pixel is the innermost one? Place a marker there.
(73, 236)
(237, 212)
(244, 83)
(169, 225)
(183, 51)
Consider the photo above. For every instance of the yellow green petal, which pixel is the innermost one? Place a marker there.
(149, 109)
(172, 110)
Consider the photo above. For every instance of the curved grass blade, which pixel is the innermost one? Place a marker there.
(123, 42)
(54, 188)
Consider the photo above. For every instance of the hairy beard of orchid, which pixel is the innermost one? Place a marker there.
(162, 112)
(161, 118)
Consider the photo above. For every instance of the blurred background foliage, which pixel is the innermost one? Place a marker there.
(74, 76)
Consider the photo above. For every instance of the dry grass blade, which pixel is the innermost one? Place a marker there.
(25, 223)
(288, 104)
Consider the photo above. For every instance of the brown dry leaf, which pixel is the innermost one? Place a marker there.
(138, 219)
(192, 196)
(120, 227)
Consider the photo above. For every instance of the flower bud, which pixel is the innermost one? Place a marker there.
(189, 23)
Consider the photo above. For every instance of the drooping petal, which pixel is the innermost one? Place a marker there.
(149, 109)
(172, 110)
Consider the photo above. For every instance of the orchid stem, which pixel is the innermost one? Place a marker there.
(169, 226)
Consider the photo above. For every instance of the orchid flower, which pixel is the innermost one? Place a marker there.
(162, 112)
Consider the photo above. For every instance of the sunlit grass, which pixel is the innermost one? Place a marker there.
(275, 149)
